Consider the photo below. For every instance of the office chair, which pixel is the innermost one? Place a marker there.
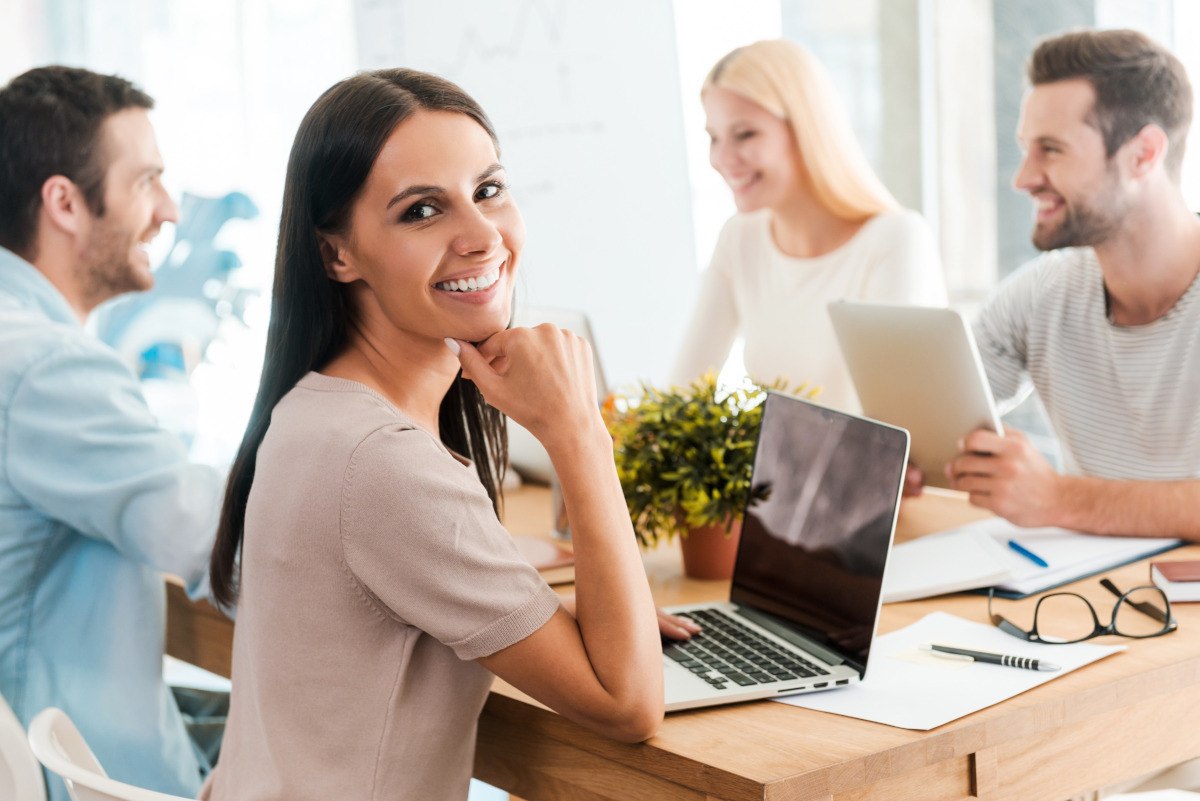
(20, 774)
(60, 747)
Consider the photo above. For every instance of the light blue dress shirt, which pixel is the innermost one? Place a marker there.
(96, 503)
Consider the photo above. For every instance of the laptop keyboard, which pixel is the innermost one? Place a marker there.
(728, 651)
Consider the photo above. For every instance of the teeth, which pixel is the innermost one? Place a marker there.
(1045, 202)
(471, 284)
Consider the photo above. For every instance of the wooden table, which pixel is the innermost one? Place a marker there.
(1128, 714)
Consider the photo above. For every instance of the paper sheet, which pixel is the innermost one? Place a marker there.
(915, 694)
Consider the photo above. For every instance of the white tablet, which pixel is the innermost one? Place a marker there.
(917, 367)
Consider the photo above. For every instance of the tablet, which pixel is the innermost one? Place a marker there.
(917, 367)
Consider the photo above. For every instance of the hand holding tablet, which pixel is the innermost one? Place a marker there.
(917, 367)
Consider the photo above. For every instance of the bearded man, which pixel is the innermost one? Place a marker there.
(96, 500)
(1106, 324)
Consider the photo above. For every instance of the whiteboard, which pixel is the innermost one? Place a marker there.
(585, 98)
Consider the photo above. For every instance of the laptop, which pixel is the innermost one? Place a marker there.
(917, 367)
(804, 602)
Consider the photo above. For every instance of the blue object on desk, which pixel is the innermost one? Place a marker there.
(1028, 554)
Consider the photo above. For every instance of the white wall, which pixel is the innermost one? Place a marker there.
(585, 98)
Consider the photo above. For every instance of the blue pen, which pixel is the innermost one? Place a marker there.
(1028, 554)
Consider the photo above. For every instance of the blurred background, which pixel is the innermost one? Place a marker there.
(597, 108)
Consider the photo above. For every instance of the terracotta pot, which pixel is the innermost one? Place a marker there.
(709, 553)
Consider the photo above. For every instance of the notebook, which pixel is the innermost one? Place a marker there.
(804, 602)
(917, 367)
(1069, 555)
(953, 561)
(1178, 579)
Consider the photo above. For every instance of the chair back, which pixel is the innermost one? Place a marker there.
(20, 774)
(60, 747)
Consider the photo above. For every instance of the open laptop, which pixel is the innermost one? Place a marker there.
(804, 602)
(917, 367)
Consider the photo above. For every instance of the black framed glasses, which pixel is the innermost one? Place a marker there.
(1065, 617)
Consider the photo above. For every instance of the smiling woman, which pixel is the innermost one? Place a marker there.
(814, 224)
(430, 251)
(377, 592)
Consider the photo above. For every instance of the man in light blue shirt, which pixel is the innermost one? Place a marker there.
(96, 500)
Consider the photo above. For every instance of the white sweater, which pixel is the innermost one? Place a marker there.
(777, 302)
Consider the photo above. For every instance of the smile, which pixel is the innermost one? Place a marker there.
(1046, 206)
(471, 284)
(738, 184)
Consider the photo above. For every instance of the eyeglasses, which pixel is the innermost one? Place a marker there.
(1064, 617)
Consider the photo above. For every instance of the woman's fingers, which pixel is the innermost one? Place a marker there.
(539, 377)
(675, 627)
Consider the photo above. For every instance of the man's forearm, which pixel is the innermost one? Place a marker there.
(1130, 508)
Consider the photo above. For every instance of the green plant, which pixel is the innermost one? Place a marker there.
(685, 455)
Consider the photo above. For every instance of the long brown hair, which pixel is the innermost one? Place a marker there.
(335, 149)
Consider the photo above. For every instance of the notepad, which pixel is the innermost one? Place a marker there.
(1069, 555)
(952, 561)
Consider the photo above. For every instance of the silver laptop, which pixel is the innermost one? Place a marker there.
(917, 367)
(804, 603)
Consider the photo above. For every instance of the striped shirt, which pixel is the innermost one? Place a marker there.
(1124, 401)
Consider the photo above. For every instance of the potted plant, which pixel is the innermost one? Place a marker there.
(684, 457)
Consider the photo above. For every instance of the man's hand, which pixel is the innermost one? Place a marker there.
(1008, 476)
(914, 480)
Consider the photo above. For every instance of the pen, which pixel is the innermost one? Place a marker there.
(993, 659)
(1028, 554)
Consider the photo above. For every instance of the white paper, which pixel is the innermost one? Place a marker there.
(903, 693)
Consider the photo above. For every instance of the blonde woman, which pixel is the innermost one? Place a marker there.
(814, 224)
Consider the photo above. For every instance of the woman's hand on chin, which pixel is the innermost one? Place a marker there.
(541, 377)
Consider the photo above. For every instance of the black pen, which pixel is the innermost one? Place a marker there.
(994, 659)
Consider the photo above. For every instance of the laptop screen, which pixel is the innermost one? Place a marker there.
(816, 533)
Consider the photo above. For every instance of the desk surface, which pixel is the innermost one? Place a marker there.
(1123, 716)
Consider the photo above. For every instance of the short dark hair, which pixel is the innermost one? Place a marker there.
(1137, 82)
(50, 119)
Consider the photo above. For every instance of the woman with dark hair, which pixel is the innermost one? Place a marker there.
(376, 587)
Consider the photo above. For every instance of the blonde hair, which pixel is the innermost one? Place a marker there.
(789, 82)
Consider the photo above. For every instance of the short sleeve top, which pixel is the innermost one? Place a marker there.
(1121, 399)
(373, 572)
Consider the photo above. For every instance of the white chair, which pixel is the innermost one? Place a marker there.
(20, 774)
(60, 747)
